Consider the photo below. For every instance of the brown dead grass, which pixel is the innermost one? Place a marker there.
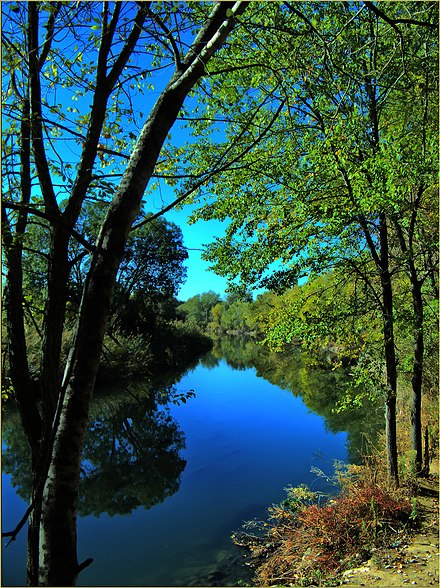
(367, 536)
(416, 561)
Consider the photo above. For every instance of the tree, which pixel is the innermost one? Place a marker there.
(149, 276)
(198, 308)
(101, 58)
(326, 163)
(235, 315)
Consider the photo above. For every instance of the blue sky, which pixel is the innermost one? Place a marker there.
(200, 279)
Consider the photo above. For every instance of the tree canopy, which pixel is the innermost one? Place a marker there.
(310, 127)
(328, 163)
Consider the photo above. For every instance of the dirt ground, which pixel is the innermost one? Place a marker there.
(413, 559)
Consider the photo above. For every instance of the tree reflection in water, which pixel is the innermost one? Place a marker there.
(131, 453)
(130, 458)
(319, 386)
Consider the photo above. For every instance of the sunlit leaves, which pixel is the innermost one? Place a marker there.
(296, 194)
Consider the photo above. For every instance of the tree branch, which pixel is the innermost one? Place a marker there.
(213, 172)
(394, 22)
(169, 36)
(13, 534)
(49, 35)
(52, 219)
(130, 44)
(41, 163)
(104, 86)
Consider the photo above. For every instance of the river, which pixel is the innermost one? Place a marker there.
(167, 479)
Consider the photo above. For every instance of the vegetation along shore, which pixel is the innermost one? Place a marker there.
(304, 135)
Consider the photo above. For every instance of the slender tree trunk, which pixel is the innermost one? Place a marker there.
(418, 329)
(426, 454)
(54, 315)
(58, 552)
(33, 538)
(390, 354)
(381, 259)
(13, 300)
(416, 404)
(391, 393)
(21, 381)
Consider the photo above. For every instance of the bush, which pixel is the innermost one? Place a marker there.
(125, 357)
(306, 543)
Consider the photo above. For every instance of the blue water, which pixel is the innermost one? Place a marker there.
(246, 440)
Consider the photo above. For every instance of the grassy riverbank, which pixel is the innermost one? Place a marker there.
(131, 356)
(125, 355)
(415, 559)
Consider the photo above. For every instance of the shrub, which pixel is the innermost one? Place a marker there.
(307, 543)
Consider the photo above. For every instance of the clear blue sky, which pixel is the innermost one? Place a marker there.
(200, 279)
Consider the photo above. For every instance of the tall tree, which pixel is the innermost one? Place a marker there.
(314, 173)
(97, 59)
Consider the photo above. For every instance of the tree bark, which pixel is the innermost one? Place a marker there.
(416, 381)
(381, 260)
(58, 552)
(390, 353)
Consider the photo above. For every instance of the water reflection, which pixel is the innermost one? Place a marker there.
(131, 455)
(320, 387)
(131, 459)
(132, 450)
(245, 441)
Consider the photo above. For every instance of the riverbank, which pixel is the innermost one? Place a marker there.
(414, 559)
(368, 535)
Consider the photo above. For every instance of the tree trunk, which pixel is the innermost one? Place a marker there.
(419, 347)
(33, 537)
(391, 395)
(419, 342)
(390, 354)
(54, 315)
(58, 549)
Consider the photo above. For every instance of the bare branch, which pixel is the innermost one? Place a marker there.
(13, 534)
(169, 36)
(36, 113)
(49, 35)
(130, 44)
(52, 219)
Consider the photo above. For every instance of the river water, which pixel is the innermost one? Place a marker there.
(167, 479)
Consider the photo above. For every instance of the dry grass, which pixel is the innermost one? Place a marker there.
(306, 543)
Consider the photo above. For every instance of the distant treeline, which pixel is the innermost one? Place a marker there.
(325, 316)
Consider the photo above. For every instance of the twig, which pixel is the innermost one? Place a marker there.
(13, 534)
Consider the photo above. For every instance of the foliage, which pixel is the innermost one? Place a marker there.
(197, 310)
(149, 277)
(328, 167)
(316, 169)
(305, 543)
